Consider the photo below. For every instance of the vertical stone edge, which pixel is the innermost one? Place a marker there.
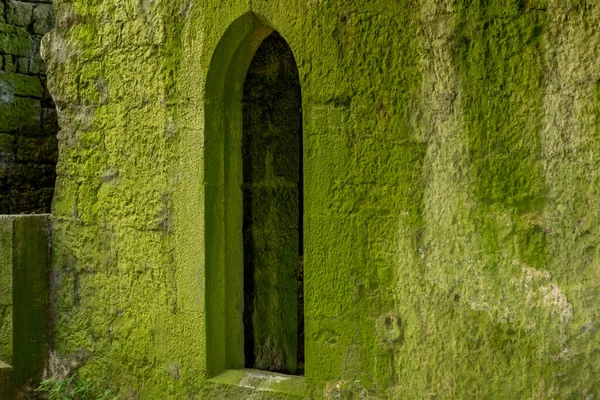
(6, 297)
(31, 264)
(6, 304)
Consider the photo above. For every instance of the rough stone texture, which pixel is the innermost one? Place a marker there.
(24, 268)
(28, 125)
(6, 292)
(451, 195)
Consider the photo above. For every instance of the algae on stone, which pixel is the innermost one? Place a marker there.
(450, 190)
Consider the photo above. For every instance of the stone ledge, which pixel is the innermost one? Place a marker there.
(263, 381)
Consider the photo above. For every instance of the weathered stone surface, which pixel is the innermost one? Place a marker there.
(9, 65)
(15, 40)
(36, 63)
(19, 114)
(42, 150)
(6, 294)
(23, 65)
(32, 174)
(6, 143)
(21, 85)
(33, 198)
(43, 18)
(19, 13)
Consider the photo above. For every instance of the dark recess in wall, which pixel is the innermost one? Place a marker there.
(272, 224)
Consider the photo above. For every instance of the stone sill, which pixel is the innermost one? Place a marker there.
(264, 381)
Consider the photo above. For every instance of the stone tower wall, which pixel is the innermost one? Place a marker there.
(28, 126)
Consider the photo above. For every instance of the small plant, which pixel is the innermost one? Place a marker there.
(70, 388)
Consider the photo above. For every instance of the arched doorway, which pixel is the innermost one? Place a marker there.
(253, 202)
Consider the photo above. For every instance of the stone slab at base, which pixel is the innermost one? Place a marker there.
(288, 386)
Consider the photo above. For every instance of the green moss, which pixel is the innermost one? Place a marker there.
(15, 40)
(6, 294)
(502, 70)
(22, 85)
(597, 108)
(20, 114)
(6, 391)
(449, 189)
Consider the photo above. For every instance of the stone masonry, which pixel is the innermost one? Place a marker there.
(28, 123)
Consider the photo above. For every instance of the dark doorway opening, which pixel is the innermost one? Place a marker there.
(273, 211)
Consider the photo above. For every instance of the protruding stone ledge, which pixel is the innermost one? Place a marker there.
(291, 386)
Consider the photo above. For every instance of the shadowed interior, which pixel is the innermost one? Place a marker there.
(272, 222)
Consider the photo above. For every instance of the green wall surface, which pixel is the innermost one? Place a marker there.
(6, 291)
(451, 196)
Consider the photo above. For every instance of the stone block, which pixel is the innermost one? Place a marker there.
(23, 65)
(41, 150)
(19, 13)
(43, 19)
(32, 200)
(9, 63)
(36, 64)
(49, 121)
(5, 203)
(6, 293)
(15, 40)
(31, 175)
(22, 85)
(7, 142)
(19, 114)
(6, 387)
(2, 12)
(6, 323)
(43, 80)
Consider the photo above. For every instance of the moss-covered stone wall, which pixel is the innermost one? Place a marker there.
(451, 191)
(28, 126)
